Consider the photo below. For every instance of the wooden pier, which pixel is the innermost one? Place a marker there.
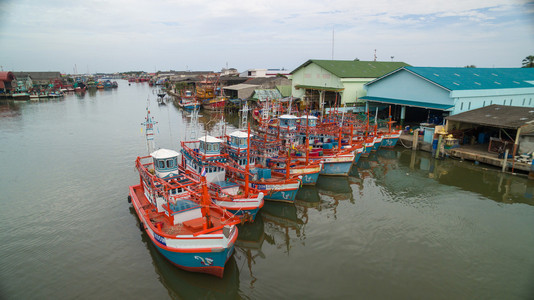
(477, 153)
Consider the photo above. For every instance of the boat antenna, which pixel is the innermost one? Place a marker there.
(149, 129)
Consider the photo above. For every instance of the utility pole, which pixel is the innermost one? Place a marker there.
(332, 42)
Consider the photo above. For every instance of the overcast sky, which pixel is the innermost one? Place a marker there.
(201, 35)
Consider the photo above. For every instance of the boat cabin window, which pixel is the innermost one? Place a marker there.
(161, 164)
(170, 163)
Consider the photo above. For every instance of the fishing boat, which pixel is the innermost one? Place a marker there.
(275, 186)
(175, 210)
(204, 157)
(20, 96)
(390, 137)
(337, 158)
(209, 94)
(177, 214)
(188, 101)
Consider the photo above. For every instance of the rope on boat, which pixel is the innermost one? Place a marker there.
(407, 147)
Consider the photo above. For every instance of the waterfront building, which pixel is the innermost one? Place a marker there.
(7, 83)
(40, 79)
(325, 82)
(437, 92)
(264, 73)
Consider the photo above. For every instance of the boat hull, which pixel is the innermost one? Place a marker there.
(337, 168)
(390, 140)
(246, 209)
(201, 262)
(284, 192)
(205, 253)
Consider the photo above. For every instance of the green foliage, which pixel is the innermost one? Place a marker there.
(528, 62)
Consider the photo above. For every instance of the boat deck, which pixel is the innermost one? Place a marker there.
(159, 219)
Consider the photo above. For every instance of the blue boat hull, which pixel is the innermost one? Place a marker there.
(310, 179)
(357, 157)
(389, 142)
(242, 212)
(203, 262)
(339, 168)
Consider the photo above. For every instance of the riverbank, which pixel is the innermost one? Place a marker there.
(477, 153)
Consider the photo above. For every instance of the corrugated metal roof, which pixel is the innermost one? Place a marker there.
(268, 94)
(476, 78)
(497, 116)
(39, 75)
(430, 105)
(241, 86)
(319, 88)
(355, 69)
(7, 76)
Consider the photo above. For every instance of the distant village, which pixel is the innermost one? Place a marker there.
(478, 103)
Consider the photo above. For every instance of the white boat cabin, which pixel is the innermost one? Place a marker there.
(239, 140)
(239, 144)
(209, 145)
(311, 120)
(288, 121)
(165, 163)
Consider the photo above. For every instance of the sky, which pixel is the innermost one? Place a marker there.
(92, 36)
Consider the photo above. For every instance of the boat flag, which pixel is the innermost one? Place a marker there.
(203, 173)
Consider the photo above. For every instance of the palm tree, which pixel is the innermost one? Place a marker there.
(528, 62)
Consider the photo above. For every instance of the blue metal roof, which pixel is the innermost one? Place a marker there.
(408, 103)
(476, 78)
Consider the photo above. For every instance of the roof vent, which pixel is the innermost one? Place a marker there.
(497, 82)
(516, 82)
(531, 111)
(457, 74)
(487, 116)
(523, 119)
(494, 74)
(476, 74)
(436, 74)
(455, 83)
(477, 83)
(497, 108)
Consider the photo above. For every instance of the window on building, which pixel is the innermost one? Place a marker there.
(170, 163)
(469, 106)
(511, 101)
(491, 102)
(483, 103)
(161, 164)
(504, 103)
(462, 106)
(524, 101)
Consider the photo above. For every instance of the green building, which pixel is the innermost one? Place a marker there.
(329, 82)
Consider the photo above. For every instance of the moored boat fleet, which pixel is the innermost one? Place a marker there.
(189, 201)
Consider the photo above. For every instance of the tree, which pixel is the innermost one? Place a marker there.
(470, 66)
(528, 62)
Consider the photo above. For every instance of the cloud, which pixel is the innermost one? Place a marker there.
(206, 34)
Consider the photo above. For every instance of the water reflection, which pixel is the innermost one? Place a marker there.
(189, 285)
(9, 109)
(248, 246)
(486, 181)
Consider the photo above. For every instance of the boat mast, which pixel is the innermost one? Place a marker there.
(307, 142)
(205, 202)
(247, 167)
(149, 131)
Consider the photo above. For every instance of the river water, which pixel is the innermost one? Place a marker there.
(402, 226)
